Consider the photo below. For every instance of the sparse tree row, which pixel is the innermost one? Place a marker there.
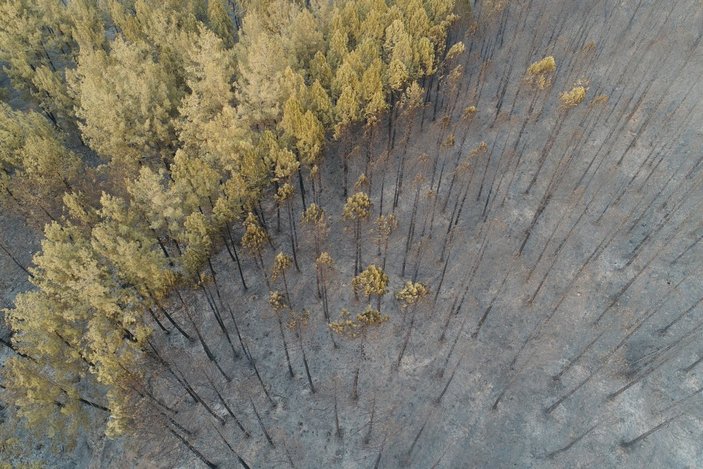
(153, 133)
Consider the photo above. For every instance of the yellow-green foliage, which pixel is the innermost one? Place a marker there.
(600, 99)
(412, 293)
(285, 192)
(35, 166)
(191, 123)
(469, 112)
(540, 73)
(385, 224)
(573, 97)
(254, 236)
(277, 300)
(281, 264)
(546, 65)
(456, 50)
(298, 320)
(371, 317)
(314, 214)
(324, 259)
(361, 182)
(286, 164)
(358, 206)
(351, 327)
(371, 281)
(481, 148)
(345, 326)
(494, 7)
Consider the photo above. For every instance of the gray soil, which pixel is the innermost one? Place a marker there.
(567, 329)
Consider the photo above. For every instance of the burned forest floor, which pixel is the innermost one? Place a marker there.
(560, 244)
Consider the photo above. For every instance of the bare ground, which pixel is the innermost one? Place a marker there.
(568, 325)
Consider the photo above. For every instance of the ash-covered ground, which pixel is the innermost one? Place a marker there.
(567, 327)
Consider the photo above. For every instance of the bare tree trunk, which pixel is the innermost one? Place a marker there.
(193, 450)
(261, 423)
(4, 249)
(285, 344)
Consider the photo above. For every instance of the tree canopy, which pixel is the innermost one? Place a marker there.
(150, 129)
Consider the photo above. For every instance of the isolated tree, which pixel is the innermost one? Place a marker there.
(356, 209)
(411, 101)
(285, 165)
(279, 303)
(315, 218)
(284, 195)
(442, 71)
(281, 263)
(385, 225)
(540, 73)
(323, 264)
(228, 208)
(409, 297)
(253, 240)
(573, 97)
(372, 281)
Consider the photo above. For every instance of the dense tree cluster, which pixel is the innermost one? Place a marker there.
(153, 131)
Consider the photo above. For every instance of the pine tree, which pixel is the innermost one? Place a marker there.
(155, 203)
(220, 22)
(87, 24)
(51, 408)
(409, 297)
(320, 70)
(385, 225)
(279, 302)
(263, 56)
(36, 52)
(197, 241)
(206, 111)
(283, 196)
(35, 166)
(356, 209)
(323, 264)
(319, 102)
(196, 121)
(372, 281)
(127, 101)
(253, 240)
